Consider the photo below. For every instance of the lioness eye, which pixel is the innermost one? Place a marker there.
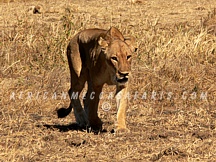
(114, 58)
(128, 57)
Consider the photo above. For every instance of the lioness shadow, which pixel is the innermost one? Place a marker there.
(65, 128)
(69, 127)
(72, 127)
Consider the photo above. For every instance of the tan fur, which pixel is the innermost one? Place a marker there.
(98, 57)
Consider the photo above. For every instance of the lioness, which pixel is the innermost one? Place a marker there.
(98, 57)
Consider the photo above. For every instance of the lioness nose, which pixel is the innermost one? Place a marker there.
(124, 73)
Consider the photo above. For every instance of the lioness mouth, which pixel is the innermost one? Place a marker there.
(123, 80)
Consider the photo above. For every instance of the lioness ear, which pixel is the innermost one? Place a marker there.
(130, 41)
(114, 33)
(103, 43)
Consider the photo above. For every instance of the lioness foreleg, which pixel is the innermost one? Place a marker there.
(95, 122)
(121, 100)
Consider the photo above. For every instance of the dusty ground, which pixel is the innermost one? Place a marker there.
(173, 117)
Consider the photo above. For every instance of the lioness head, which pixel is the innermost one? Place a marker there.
(118, 51)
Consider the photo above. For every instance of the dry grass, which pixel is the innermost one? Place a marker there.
(176, 54)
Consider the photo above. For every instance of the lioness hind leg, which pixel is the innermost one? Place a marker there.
(77, 84)
(78, 71)
(80, 115)
(86, 100)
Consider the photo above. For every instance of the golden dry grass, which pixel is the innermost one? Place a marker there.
(176, 55)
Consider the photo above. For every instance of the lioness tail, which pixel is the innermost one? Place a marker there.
(63, 112)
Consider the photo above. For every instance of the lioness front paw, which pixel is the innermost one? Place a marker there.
(120, 130)
(95, 125)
